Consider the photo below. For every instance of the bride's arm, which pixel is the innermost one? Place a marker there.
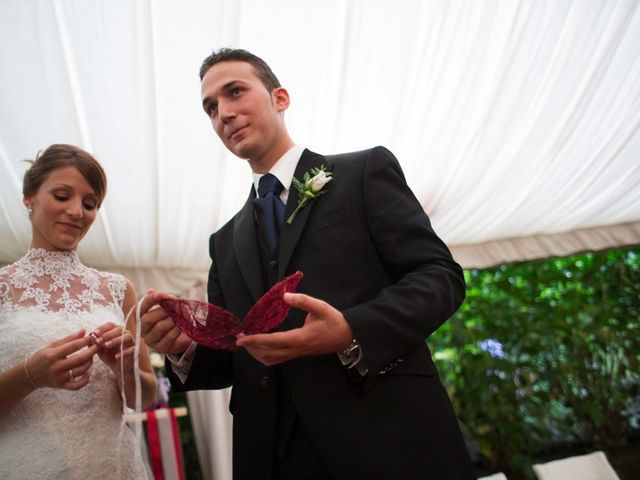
(60, 364)
(15, 386)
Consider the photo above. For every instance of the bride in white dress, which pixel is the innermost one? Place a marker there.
(66, 360)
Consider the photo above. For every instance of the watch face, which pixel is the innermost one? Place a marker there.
(350, 347)
(352, 351)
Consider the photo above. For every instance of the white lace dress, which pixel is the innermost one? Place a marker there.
(54, 433)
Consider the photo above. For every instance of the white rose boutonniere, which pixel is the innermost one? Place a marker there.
(310, 187)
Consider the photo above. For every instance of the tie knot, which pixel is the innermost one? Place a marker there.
(269, 183)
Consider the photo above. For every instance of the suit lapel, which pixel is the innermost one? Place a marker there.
(291, 232)
(245, 244)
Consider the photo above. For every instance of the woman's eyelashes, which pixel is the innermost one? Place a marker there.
(86, 204)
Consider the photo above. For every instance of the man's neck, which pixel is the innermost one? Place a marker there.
(265, 162)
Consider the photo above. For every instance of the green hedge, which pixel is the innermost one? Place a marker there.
(546, 355)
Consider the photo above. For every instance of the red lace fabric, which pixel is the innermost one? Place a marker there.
(217, 328)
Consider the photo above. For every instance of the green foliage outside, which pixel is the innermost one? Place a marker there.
(546, 355)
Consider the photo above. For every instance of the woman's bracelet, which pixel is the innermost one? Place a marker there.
(26, 370)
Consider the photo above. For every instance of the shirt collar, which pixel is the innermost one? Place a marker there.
(284, 168)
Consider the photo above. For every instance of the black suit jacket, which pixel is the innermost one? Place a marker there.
(367, 248)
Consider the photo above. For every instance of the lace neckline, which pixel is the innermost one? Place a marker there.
(57, 281)
(66, 259)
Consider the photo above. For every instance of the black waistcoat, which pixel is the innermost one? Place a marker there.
(286, 414)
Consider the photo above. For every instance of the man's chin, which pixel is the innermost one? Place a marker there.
(243, 151)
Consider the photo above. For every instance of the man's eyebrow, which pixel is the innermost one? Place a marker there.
(226, 87)
(229, 85)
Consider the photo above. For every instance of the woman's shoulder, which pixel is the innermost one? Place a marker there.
(4, 271)
(6, 274)
(11, 283)
(9, 268)
(105, 275)
(4, 282)
(115, 283)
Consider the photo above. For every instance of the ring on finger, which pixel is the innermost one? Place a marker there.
(71, 374)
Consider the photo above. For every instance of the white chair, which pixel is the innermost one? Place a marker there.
(495, 476)
(593, 466)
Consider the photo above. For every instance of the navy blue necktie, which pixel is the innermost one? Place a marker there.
(269, 210)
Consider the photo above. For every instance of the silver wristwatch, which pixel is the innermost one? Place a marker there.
(351, 354)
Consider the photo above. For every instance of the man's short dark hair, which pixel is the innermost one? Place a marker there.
(263, 70)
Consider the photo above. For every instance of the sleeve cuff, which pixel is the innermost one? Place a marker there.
(181, 363)
(353, 357)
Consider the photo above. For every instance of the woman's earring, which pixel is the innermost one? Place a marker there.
(29, 212)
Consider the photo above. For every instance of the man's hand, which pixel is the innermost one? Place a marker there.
(325, 330)
(158, 329)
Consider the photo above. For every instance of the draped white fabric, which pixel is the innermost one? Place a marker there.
(516, 122)
(211, 423)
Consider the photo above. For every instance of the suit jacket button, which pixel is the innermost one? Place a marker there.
(265, 382)
(273, 264)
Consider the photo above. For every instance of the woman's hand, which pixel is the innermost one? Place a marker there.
(63, 363)
(116, 346)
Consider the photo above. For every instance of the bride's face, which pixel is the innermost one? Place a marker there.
(64, 208)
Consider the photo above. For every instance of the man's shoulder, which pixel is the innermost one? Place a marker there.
(364, 162)
(360, 154)
(226, 228)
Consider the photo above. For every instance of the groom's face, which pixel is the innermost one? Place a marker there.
(246, 116)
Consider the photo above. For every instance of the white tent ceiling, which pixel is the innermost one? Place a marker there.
(517, 122)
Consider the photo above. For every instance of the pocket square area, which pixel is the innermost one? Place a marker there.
(217, 328)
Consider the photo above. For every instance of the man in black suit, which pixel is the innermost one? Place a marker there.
(346, 387)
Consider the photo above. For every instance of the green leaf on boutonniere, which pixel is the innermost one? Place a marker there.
(310, 187)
